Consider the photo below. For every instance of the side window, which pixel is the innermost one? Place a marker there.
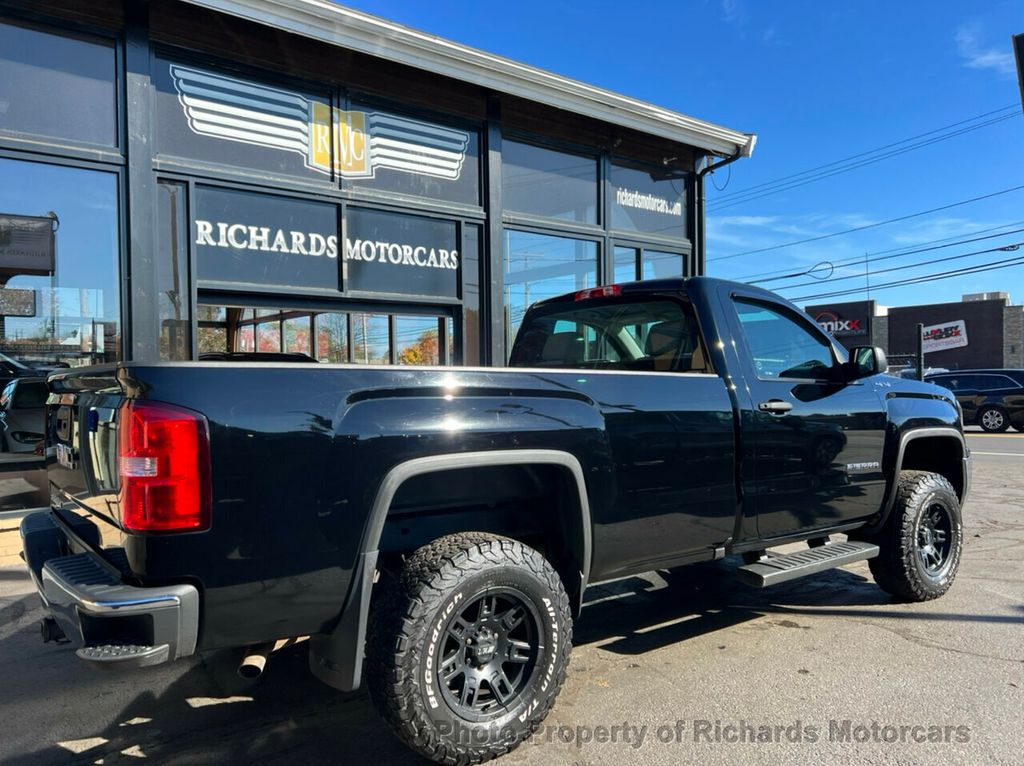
(951, 383)
(781, 346)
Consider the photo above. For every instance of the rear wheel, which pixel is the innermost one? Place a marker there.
(468, 647)
(921, 541)
(993, 420)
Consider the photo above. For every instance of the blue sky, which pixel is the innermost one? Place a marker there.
(818, 82)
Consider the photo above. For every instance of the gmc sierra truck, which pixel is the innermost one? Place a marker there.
(434, 529)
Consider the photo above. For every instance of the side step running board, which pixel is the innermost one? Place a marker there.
(775, 569)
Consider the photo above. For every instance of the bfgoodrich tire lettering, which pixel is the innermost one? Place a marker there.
(463, 608)
(921, 542)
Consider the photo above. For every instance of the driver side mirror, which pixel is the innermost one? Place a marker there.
(865, 361)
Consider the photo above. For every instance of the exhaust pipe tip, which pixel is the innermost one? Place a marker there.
(255, 661)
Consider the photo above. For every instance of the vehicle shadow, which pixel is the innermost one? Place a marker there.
(636, 615)
(208, 715)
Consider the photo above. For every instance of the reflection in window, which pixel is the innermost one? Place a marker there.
(297, 335)
(538, 266)
(625, 264)
(268, 337)
(331, 338)
(58, 86)
(417, 340)
(659, 265)
(328, 336)
(781, 346)
(370, 339)
(173, 284)
(548, 183)
(70, 316)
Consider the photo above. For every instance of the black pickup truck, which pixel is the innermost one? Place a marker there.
(443, 523)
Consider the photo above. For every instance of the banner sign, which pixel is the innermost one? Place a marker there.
(939, 337)
(26, 245)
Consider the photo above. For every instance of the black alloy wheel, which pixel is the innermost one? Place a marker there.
(934, 538)
(468, 646)
(489, 654)
(922, 538)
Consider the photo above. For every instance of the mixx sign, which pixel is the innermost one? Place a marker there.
(832, 323)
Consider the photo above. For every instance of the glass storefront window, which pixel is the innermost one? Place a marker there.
(417, 340)
(649, 200)
(548, 183)
(331, 337)
(67, 314)
(625, 259)
(297, 335)
(59, 301)
(371, 341)
(328, 336)
(656, 264)
(57, 86)
(173, 284)
(539, 266)
(268, 337)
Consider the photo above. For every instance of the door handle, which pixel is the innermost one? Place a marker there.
(775, 406)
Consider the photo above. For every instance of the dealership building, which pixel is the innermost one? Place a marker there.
(981, 330)
(188, 178)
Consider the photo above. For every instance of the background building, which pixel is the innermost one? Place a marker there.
(183, 178)
(982, 330)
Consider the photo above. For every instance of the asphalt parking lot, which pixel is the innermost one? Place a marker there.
(684, 666)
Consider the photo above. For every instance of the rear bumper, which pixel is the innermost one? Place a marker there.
(110, 622)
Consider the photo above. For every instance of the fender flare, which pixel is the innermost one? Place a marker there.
(905, 438)
(336, 658)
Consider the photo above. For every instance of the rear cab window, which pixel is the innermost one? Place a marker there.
(642, 333)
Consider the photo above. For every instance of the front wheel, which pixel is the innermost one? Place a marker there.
(921, 541)
(468, 647)
(993, 420)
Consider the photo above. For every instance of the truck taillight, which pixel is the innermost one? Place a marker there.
(163, 456)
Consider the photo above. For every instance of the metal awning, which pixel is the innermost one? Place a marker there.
(362, 32)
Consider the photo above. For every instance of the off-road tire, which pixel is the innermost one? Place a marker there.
(900, 567)
(997, 415)
(409, 618)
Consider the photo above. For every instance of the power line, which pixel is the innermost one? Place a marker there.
(958, 256)
(752, 278)
(858, 261)
(800, 176)
(1017, 261)
(866, 226)
(854, 166)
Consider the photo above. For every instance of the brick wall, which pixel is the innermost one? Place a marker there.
(1013, 337)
